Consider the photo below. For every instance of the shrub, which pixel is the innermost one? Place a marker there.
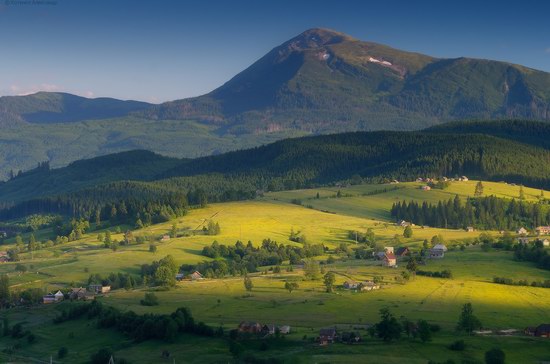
(150, 299)
(458, 345)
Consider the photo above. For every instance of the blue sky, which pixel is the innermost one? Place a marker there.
(162, 50)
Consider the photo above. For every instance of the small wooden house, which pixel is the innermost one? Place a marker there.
(196, 275)
(327, 336)
(249, 327)
(522, 231)
(389, 260)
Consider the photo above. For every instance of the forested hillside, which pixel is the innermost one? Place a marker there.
(86, 186)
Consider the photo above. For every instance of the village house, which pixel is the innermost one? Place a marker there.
(327, 336)
(539, 331)
(419, 179)
(165, 238)
(403, 251)
(196, 275)
(389, 260)
(53, 297)
(81, 294)
(543, 230)
(368, 286)
(545, 242)
(523, 240)
(284, 330)
(99, 288)
(180, 276)
(351, 285)
(425, 188)
(4, 257)
(438, 251)
(470, 229)
(522, 231)
(269, 330)
(403, 223)
(247, 327)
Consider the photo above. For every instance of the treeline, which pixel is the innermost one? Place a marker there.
(446, 273)
(115, 280)
(241, 259)
(535, 253)
(521, 282)
(288, 164)
(491, 213)
(138, 327)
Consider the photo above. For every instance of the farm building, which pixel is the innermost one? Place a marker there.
(523, 240)
(425, 188)
(327, 336)
(180, 276)
(196, 275)
(250, 327)
(4, 257)
(539, 331)
(285, 329)
(368, 286)
(470, 229)
(403, 251)
(53, 297)
(522, 231)
(403, 223)
(81, 294)
(165, 238)
(350, 337)
(543, 230)
(390, 260)
(438, 251)
(545, 242)
(269, 329)
(99, 288)
(351, 285)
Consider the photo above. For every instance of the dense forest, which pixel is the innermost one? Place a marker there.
(144, 181)
(481, 212)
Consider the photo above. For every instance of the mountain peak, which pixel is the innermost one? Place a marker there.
(316, 38)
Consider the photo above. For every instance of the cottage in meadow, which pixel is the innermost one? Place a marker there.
(327, 336)
(522, 231)
(389, 260)
(438, 251)
(470, 229)
(249, 327)
(196, 275)
(53, 297)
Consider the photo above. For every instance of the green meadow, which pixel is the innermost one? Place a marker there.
(327, 220)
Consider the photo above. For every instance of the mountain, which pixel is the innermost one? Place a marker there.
(58, 107)
(286, 164)
(324, 81)
(320, 82)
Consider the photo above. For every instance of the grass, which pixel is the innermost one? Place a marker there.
(224, 302)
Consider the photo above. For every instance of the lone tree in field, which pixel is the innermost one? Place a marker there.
(495, 356)
(521, 193)
(468, 321)
(424, 331)
(174, 231)
(412, 266)
(408, 232)
(479, 189)
(329, 280)
(388, 329)
(311, 269)
(248, 285)
(291, 286)
(4, 290)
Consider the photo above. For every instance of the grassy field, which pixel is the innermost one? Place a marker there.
(224, 302)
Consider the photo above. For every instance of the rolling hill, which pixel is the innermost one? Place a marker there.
(294, 163)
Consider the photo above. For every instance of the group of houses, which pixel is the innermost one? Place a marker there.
(540, 230)
(361, 286)
(4, 257)
(195, 276)
(444, 179)
(80, 294)
(255, 328)
(389, 255)
(539, 331)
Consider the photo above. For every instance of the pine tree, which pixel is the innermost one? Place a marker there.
(479, 189)
(521, 193)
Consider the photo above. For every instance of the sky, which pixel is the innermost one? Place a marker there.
(160, 50)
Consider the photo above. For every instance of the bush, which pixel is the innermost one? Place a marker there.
(62, 352)
(458, 345)
(495, 356)
(101, 357)
(150, 299)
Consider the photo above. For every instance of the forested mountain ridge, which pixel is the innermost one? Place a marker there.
(324, 81)
(60, 107)
(287, 164)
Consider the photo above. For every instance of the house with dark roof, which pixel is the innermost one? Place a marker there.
(327, 336)
(539, 331)
(403, 251)
(250, 327)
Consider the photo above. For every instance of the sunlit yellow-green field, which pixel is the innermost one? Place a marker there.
(326, 220)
